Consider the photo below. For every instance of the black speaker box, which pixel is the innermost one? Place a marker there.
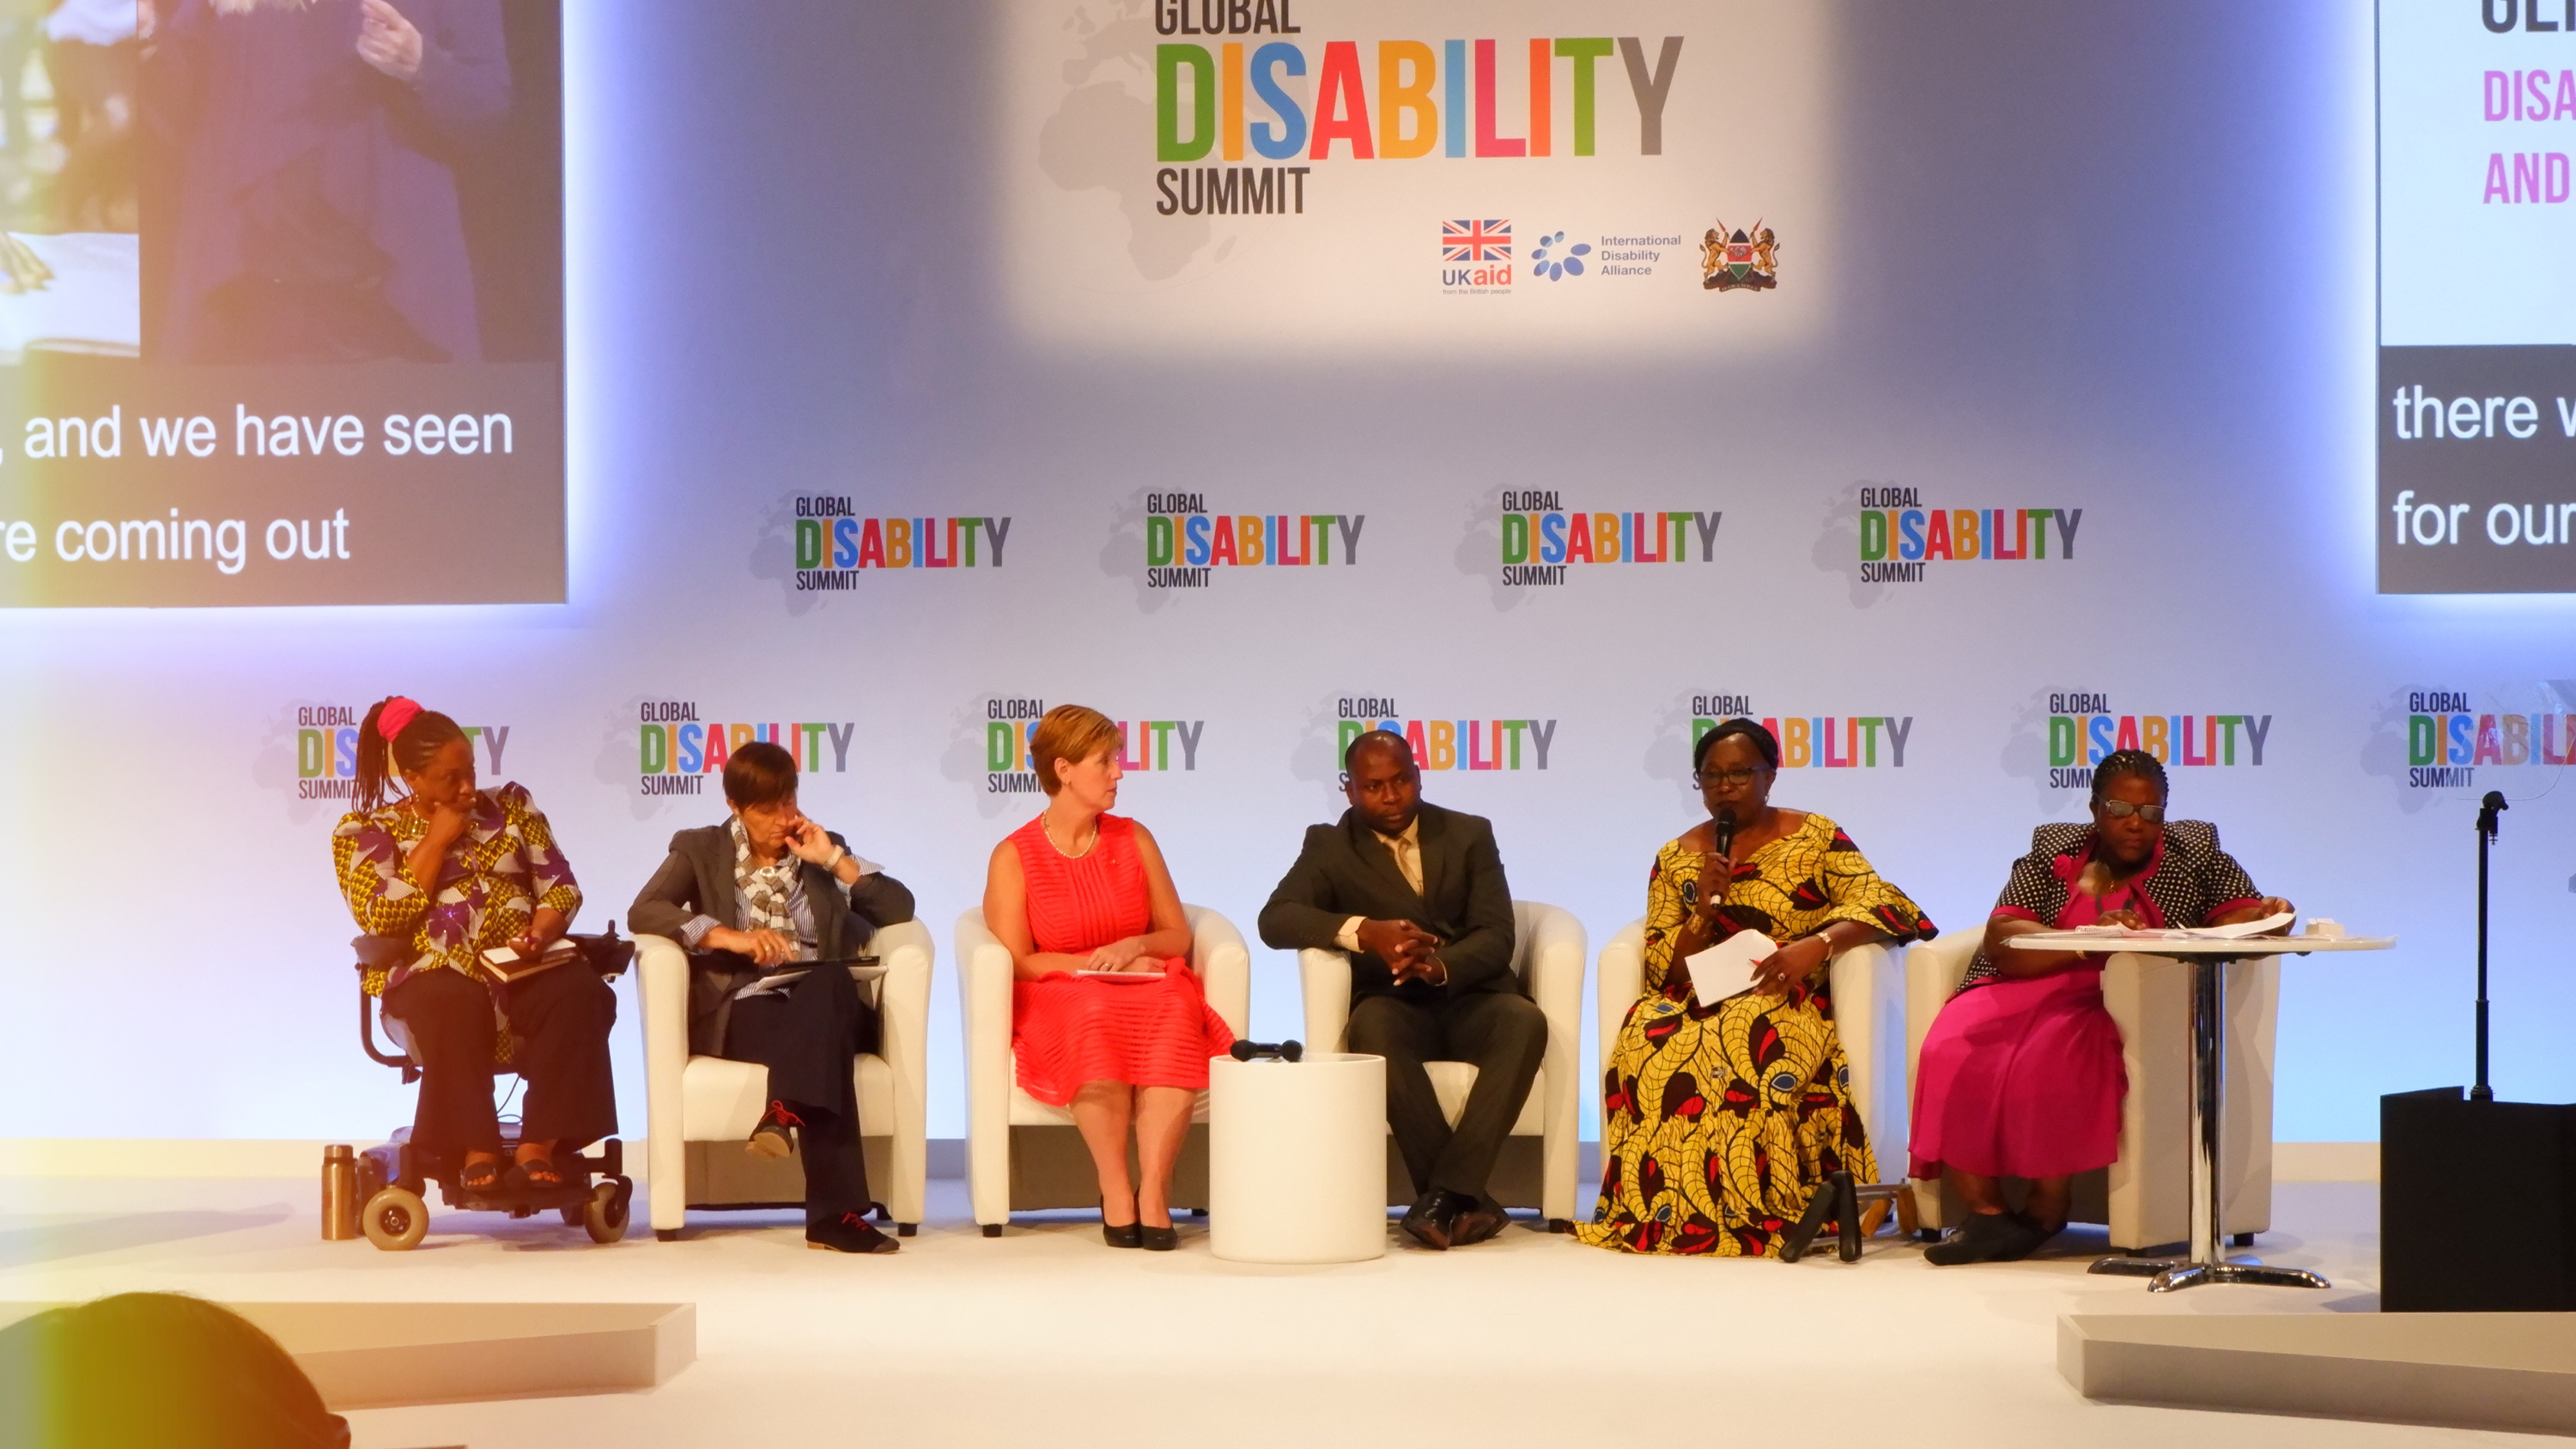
(2477, 1205)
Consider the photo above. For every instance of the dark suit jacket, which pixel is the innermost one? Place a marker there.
(1345, 871)
(697, 880)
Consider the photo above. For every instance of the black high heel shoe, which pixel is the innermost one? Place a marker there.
(1130, 1236)
(1158, 1240)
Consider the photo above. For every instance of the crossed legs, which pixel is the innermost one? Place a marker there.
(1104, 1111)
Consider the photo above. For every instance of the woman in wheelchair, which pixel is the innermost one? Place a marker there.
(456, 872)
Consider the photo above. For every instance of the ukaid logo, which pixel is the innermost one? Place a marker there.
(1216, 101)
(993, 752)
(1541, 540)
(1446, 744)
(2082, 728)
(820, 543)
(1900, 537)
(1476, 257)
(320, 743)
(1822, 741)
(2452, 740)
(678, 747)
(1185, 545)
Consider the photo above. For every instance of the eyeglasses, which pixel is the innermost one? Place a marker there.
(2122, 810)
(1723, 778)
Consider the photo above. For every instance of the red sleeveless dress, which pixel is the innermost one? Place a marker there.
(1068, 1030)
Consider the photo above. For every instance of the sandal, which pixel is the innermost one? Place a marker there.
(537, 1173)
(480, 1176)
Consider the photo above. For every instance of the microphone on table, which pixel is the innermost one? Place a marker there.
(1286, 1051)
(1725, 829)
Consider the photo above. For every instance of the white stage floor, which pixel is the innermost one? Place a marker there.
(1047, 1337)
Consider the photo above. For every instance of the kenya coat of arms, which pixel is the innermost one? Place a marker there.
(1729, 260)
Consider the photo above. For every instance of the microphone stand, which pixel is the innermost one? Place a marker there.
(2492, 806)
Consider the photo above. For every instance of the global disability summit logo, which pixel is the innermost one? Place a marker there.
(1444, 744)
(1187, 547)
(991, 748)
(680, 747)
(816, 544)
(309, 753)
(1238, 83)
(1542, 542)
(2437, 742)
(1878, 535)
(2083, 727)
(1819, 741)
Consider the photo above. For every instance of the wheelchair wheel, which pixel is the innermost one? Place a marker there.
(395, 1220)
(605, 1214)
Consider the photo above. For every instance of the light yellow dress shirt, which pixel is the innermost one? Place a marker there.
(1407, 850)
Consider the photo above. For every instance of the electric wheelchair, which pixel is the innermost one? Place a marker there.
(393, 1177)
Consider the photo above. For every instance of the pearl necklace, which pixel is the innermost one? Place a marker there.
(1049, 828)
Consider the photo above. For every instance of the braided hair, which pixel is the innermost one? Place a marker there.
(2136, 763)
(1764, 743)
(413, 745)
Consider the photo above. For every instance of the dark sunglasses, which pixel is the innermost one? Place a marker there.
(2122, 810)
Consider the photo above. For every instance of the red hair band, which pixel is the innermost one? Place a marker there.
(397, 713)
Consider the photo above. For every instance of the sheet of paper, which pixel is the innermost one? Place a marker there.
(2237, 932)
(1122, 978)
(774, 982)
(1727, 967)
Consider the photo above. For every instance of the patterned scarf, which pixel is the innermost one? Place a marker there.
(765, 888)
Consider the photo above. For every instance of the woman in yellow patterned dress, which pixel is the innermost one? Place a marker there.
(453, 871)
(1719, 1118)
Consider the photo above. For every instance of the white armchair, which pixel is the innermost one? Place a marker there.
(1869, 1016)
(1537, 1167)
(1023, 1155)
(699, 1111)
(2141, 1198)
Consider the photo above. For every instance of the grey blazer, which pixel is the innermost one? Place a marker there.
(697, 880)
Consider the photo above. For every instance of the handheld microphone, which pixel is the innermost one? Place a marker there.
(1725, 829)
(1286, 1051)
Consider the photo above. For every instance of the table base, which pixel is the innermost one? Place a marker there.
(2172, 1274)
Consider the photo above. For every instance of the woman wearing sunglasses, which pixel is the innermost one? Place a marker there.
(2020, 1075)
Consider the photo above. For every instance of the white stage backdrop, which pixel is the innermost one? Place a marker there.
(1968, 390)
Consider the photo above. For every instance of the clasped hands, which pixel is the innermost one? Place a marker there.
(1409, 951)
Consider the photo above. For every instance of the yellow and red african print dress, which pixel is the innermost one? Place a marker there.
(494, 878)
(1719, 1120)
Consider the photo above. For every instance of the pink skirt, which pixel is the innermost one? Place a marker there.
(1067, 1030)
(2020, 1078)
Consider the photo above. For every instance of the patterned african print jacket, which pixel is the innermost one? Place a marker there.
(2190, 880)
(493, 880)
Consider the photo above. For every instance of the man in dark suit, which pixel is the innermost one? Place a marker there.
(765, 890)
(1415, 894)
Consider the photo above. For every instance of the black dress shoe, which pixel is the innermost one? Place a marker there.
(1130, 1236)
(1432, 1220)
(1986, 1238)
(848, 1233)
(1480, 1220)
(1161, 1240)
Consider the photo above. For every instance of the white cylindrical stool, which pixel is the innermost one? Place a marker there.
(1297, 1159)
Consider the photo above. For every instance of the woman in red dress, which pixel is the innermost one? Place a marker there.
(1106, 1014)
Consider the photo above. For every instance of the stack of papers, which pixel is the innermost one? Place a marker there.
(2237, 932)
